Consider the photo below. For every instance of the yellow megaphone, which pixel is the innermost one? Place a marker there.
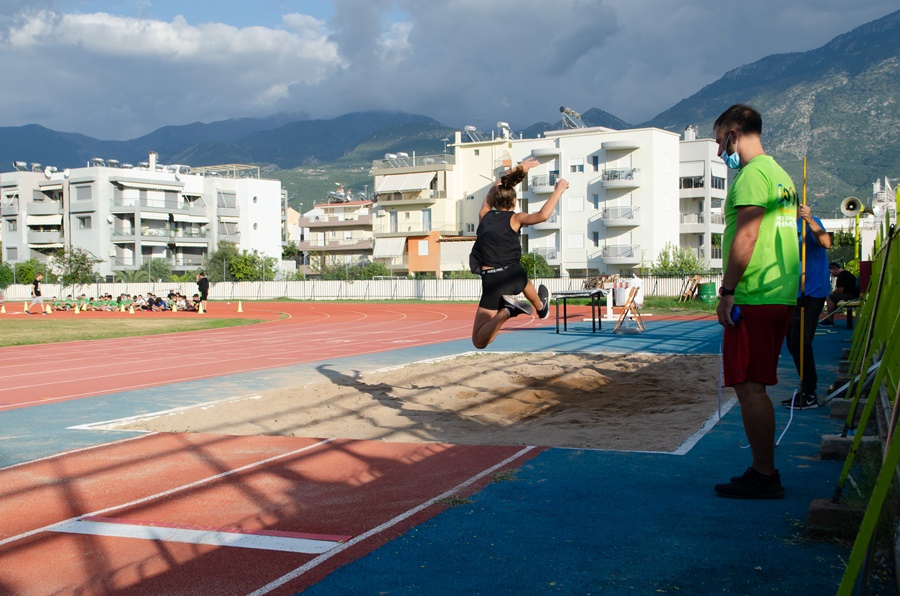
(851, 207)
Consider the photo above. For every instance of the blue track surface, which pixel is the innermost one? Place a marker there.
(571, 521)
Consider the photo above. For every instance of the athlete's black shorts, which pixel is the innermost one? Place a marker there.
(496, 283)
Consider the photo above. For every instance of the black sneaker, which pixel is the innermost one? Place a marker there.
(827, 322)
(802, 401)
(516, 308)
(544, 295)
(752, 485)
(27, 313)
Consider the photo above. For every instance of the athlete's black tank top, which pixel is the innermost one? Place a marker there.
(497, 244)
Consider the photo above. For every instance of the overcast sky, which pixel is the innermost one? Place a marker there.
(117, 70)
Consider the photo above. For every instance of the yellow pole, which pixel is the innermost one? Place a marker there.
(803, 283)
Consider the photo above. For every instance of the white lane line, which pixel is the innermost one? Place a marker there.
(165, 493)
(72, 451)
(391, 522)
(287, 542)
(117, 422)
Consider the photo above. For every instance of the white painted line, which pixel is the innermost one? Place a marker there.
(115, 424)
(165, 493)
(197, 536)
(71, 451)
(391, 522)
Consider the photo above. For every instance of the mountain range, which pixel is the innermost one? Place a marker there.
(837, 105)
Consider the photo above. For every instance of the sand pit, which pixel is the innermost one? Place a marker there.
(606, 401)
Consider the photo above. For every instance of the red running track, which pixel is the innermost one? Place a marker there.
(45, 373)
(362, 493)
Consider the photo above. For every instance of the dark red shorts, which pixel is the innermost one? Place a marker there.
(751, 348)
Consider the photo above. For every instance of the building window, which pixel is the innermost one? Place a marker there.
(255, 226)
(12, 253)
(576, 166)
(691, 182)
(595, 162)
(595, 238)
(84, 223)
(470, 227)
(718, 183)
(477, 152)
(83, 193)
(470, 197)
(226, 200)
(423, 248)
(12, 225)
(595, 201)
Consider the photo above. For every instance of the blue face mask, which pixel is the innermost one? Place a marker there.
(733, 161)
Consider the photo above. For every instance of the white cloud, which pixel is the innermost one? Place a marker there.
(459, 61)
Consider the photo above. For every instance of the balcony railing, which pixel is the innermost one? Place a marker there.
(621, 254)
(621, 216)
(549, 254)
(120, 203)
(413, 161)
(621, 178)
(705, 253)
(543, 182)
(700, 218)
(174, 261)
(335, 222)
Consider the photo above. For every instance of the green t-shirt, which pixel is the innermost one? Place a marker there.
(773, 274)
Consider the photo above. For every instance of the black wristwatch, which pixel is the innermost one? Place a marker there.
(723, 291)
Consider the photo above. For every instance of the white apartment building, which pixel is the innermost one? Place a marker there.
(631, 193)
(336, 233)
(127, 215)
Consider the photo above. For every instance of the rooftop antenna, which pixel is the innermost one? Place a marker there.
(571, 118)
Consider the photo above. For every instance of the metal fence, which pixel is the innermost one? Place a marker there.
(378, 289)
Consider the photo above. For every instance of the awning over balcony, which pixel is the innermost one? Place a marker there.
(153, 243)
(405, 182)
(49, 187)
(389, 247)
(190, 218)
(148, 184)
(153, 215)
(692, 169)
(229, 219)
(43, 220)
(185, 243)
(49, 245)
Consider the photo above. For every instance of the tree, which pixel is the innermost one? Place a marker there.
(6, 275)
(291, 252)
(675, 260)
(158, 269)
(73, 265)
(252, 267)
(216, 265)
(28, 270)
(370, 270)
(536, 266)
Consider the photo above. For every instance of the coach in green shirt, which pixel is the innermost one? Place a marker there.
(762, 271)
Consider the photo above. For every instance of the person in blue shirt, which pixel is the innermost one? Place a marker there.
(810, 301)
